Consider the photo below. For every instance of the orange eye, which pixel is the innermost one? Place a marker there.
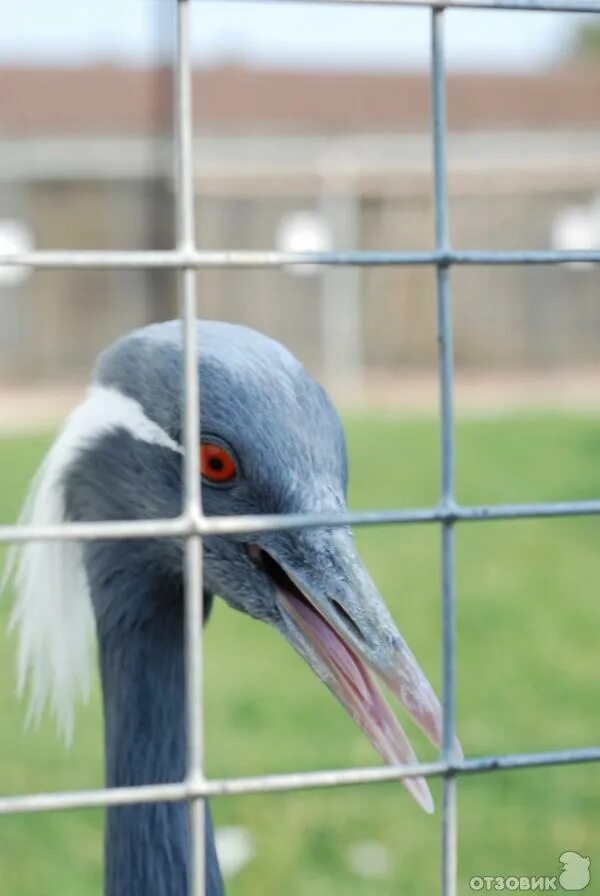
(216, 464)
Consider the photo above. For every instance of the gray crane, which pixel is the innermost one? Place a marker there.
(271, 443)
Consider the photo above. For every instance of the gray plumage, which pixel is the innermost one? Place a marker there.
(120, 457)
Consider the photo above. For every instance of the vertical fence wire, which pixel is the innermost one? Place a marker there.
(186, 238)
(446, 373)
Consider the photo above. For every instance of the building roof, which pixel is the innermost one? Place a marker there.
(130, 101)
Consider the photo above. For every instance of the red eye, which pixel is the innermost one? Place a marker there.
(216, 464)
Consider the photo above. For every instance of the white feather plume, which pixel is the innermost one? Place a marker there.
(52, 613)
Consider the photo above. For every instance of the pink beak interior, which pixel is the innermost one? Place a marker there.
(354, 685)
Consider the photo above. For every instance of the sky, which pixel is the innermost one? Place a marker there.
(131, 31)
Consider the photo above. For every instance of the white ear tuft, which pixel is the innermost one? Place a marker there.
(52, 612)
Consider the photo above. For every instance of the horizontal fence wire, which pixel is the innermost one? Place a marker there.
(318, 780)
(241, 525)
(255, 258)
(193, 525)
(523, 5)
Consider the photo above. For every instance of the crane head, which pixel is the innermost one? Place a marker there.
(271, 443)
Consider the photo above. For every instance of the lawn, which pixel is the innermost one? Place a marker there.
(528, 623)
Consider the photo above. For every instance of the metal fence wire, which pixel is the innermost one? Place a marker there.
(193, 525)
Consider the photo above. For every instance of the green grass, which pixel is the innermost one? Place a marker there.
(528, 618)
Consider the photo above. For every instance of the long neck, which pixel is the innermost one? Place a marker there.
(147, 846)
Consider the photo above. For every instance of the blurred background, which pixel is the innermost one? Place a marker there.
(312, 131)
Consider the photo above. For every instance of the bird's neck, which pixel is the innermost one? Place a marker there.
(143, 682)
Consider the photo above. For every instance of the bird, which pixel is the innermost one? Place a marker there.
(271, 443)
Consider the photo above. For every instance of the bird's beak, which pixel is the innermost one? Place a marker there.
(336, 619)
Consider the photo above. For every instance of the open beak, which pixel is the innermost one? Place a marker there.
(336, 619)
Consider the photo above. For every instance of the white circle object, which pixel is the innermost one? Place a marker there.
(15, 238)
(303, 231)
(235, 848)
(369, 858)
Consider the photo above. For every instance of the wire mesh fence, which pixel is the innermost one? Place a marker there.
(186, 258)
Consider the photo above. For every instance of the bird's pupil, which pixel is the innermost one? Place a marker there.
(215, 463)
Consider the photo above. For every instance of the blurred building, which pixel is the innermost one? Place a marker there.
(303, 159)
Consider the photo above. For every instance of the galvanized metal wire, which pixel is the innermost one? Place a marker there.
(531, 5)
(186, 258)
(186, 239)
(178, 259)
